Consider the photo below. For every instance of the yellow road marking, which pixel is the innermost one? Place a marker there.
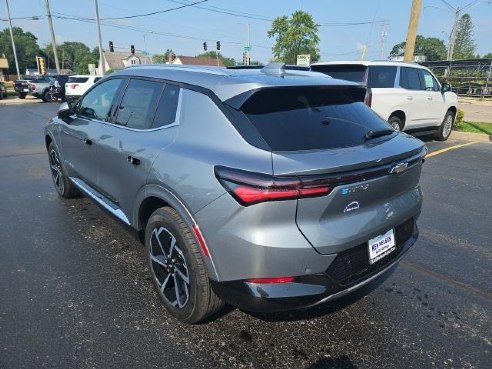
(448, 149)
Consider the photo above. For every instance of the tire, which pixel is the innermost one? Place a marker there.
(22, 96)
(63, 185)
(444, 130)
(177, 268)
(396, 123)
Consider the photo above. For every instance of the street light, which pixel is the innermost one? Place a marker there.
(145, 42)
(13, 43)
(248, 46)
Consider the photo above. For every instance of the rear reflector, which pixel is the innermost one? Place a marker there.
(250, 188)
(201, 241)
(271, 280)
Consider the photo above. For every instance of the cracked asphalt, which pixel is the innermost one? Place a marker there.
(75, 292)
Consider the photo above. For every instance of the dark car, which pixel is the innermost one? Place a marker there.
(3, 90)
(21, 88)
(269, 189)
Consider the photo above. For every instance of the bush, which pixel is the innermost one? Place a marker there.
(460, 118)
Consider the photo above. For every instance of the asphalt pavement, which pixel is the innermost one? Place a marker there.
(75, 292)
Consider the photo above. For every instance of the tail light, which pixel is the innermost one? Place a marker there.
(368, 98)
(250, 188)
(33, 87)
(271, 280)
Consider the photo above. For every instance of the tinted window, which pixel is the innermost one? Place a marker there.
(349, 72)
(409, 78)
(96, 79)
(429, 81)
(291, 119)
(382, 76)
(168, 104)
(78, 79)
(98, 102)
(138, 105)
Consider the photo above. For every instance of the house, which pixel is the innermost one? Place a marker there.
(197, 60)
(4, 67)
(119, 60)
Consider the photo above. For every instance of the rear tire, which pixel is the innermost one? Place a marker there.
(396, 123)
(22, 96)
(444, 130)
(177, 268)
(63, 185)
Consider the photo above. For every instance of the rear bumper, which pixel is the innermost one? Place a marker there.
(349, 271)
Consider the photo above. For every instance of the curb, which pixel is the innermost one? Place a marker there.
(11, 101)
(473, 137)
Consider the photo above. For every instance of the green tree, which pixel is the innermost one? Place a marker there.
(432, 47)
(464, 46)
(294, 36)
(73, 55)
(487, 56)
(26, 46)
(167, 57)
(228, 62)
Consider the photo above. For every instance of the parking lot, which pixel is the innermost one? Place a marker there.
(75, 291)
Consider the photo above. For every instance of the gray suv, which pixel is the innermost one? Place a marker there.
(267, 189)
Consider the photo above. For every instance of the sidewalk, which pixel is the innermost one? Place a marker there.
(14, 100)
(473, 137)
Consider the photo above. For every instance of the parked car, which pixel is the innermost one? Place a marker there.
(267, 189)
(407, 95)
(77, 85)
(40, 87)
(3, 90)
(21, 87)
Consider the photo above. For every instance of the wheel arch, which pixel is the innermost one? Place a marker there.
(400, 114)
(453, 109)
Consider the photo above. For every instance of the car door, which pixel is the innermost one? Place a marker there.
(142, 125)
(79, 135)
(415, 97)
(434, 98)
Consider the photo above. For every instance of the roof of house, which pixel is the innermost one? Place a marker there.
(115, 58)
(198, 60)
(4, 63)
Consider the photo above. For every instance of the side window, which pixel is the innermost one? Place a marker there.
(168, 105)
(382, 76)
(96, 79)
(98, 102)
(138, 105)
(430, 82)
(409, 78)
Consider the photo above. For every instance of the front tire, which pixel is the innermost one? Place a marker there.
(444, 130)
(177, 268)
(396, 123)
(63, 185)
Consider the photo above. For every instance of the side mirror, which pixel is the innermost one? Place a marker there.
(64, 111)
(445, 87)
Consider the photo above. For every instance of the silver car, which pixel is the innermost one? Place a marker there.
(269, 189)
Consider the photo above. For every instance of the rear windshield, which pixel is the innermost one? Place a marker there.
(77, 79)
(349, 72)
(311, 118)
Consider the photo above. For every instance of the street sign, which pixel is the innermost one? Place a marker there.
(247, 48)
(304, 60)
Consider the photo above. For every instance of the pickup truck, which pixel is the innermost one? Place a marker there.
(40, 87)
(21, 87)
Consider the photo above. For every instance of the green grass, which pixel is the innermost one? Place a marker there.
(476, 127)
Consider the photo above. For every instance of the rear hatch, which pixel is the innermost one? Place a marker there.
(349, 72)
(76, 85)
(326, 136)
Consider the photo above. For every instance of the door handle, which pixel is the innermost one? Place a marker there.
(409, 97)
(87, 141)
(133, 160)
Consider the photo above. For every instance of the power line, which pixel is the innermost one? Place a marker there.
(156, 12)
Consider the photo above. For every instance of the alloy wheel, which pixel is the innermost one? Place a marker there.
(56, 171)
(169, 267)
(448, 125)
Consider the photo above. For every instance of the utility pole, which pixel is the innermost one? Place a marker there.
(384, 35)
(412, 30)
(12, 38)
(452, 36)
(102, 66)
(53, 40)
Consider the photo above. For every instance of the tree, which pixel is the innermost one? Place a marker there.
(294, 36)
(26, 46)
(167, 57)
(487, 56)
(73, 55)
(228, 62)
(432, 47)
(464, 46)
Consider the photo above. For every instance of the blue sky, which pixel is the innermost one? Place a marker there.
(184, 30)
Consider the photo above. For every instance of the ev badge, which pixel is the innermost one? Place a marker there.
(354, 205)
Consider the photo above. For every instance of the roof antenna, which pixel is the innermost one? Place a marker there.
(274, 69)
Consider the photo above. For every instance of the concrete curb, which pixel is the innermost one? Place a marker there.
(472, 137)
(9, 101)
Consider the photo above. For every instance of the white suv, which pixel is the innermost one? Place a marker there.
(407, 95)
(77, 85)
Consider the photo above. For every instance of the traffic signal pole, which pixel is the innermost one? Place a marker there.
(412, 30)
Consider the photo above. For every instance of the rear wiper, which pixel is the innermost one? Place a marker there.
(373, 134)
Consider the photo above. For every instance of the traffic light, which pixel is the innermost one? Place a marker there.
(218, 45)
(41, 65)
(132, 49)
(205, 46)
(111, 47)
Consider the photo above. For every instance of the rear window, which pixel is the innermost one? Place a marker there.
(77, 79)
(311, 118)
(349, 72)
(382, 76)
